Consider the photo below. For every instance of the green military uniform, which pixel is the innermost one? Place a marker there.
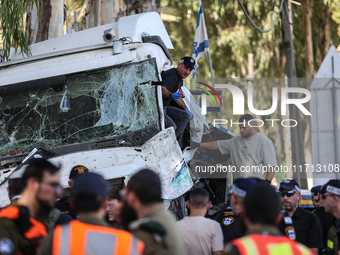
(160, 233)
(12, 229)
(333, 239)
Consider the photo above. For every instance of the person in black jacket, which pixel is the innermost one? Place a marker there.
(327, 219)
(63, 203)
(172, 82)
(307, 226)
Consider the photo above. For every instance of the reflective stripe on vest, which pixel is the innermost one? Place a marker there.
(35, 233)
(82, 238)
(257, 244)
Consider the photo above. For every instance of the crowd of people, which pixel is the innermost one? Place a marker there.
(99, 219)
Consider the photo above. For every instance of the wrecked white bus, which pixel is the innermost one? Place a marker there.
(94, 98)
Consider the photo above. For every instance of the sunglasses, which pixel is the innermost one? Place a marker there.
(287, 193)
(54, 185)
(323, 196)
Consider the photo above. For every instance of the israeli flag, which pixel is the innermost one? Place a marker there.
(201, 44)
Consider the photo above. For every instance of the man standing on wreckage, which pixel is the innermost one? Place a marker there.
(252, 153)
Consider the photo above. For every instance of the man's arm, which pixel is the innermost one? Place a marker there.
(209, 145)
(270, 174)
(166, 93)
(217, 240)
(181, 104)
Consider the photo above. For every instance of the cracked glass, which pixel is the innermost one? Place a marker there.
(91, 106)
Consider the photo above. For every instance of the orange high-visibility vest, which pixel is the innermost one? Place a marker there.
(77, 238)
(257, 244)
(35, 233)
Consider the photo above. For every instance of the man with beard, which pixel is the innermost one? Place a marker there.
(20, 232)
(315, 196)
(172, 81)
(155, 226)
(307, 226)
(90, 234)
(260, 214)
(326, 218)
(251, 152)
(330, 196)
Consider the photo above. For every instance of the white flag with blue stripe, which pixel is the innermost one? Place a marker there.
(201, 44)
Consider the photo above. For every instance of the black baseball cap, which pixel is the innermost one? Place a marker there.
(76, 170)
(332, 186)
(188, 62)
(315, 190)
(289, 185)
(92, 185)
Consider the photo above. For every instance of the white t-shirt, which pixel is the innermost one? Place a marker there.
(202, 235)
(249, 155)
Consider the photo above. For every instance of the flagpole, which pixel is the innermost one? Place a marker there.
(211, 69)
(201, 43)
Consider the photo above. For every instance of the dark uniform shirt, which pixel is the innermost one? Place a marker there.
(172, 82)
(63, 205)
(308, 228)
(231, 224)
(286, 226)
(327, 220)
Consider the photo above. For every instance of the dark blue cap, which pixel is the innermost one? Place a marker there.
(315, 190)
(188, 62)
(91, 185)
(289, 185)
(332, 186)
(242, 185)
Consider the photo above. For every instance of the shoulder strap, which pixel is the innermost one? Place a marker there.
(52, 219)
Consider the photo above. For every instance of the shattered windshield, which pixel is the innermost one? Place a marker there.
(91, 106)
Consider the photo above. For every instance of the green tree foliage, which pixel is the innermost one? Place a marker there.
(12, 32)
(232, 36)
